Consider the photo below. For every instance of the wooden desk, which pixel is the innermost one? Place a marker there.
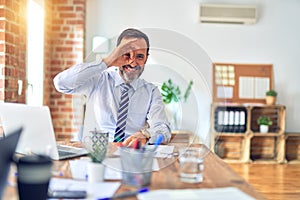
(216, 174)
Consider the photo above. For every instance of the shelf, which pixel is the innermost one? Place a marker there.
(231, 134)
(265, 161)
(263, 148)
(267, 134)
(292, 147)
(229, 147)
(276, 113)
(251, 145)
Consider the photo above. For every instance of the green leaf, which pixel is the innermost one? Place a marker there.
(188, 90)
(264, 120)
(171, 92)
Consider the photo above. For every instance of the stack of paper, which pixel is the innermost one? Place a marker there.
(227, 193)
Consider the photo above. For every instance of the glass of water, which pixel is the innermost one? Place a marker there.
(191, 164)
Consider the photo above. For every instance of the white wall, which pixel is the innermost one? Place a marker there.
(274, 39)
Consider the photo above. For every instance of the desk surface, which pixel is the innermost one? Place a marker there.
(216, 174)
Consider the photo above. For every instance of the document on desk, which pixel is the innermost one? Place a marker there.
(227, 193)
(112, 168)
(164, 151)
(94, 190)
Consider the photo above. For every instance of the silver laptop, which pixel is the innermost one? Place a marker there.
(38, 134)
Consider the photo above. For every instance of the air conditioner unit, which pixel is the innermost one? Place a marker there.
(228, 13)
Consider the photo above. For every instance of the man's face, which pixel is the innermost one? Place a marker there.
(136, 59)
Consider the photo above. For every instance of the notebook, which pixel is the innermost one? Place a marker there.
(38, 134)
(7, 149)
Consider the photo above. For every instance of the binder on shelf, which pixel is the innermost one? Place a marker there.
(230, 119)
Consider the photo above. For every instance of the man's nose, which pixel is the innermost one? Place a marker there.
(133, 62)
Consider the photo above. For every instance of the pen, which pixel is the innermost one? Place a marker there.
(157, 142)
(126, 194)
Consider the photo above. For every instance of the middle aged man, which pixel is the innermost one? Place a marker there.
(125, 105)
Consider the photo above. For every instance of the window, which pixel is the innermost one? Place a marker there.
(35, 52)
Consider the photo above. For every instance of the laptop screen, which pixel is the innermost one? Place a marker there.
(38, 135)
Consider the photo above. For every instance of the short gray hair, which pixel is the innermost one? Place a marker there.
(134, 33)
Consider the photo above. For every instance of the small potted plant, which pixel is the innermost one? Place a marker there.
(271, 97)
(96, 145)
(264, 122)
(95, 168)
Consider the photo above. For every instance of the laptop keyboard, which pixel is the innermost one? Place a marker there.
(68, 151)
(65, 153)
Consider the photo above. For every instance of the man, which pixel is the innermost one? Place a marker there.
(114, 80)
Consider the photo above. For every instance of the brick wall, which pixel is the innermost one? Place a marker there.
(64, 46)
(66, 39)
(12, 49)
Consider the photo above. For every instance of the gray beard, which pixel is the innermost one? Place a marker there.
(130, 77)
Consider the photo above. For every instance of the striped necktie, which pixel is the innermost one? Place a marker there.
(122, 114)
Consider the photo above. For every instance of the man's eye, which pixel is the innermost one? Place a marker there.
(140, 56)
(127, 55)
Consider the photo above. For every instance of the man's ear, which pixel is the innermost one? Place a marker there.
(146, 58)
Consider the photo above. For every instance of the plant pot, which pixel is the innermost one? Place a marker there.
(174, 113)
(270, 100)
(95, 172)
(263, 128)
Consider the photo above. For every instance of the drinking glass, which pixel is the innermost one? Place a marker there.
(191, 162)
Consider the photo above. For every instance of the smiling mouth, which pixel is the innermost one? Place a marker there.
(130, 67)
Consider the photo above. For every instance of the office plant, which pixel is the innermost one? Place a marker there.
(264, 122)
(171, 92)
(272, 93)
(95, 168)
(271, 96)
(172, 95)
(96, 146)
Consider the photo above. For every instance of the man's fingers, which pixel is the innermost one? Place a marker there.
(128, 46)
(128, 141)
(124, 53)
(132, 54)
(143, 141)
(128, 57)
(131, 142)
